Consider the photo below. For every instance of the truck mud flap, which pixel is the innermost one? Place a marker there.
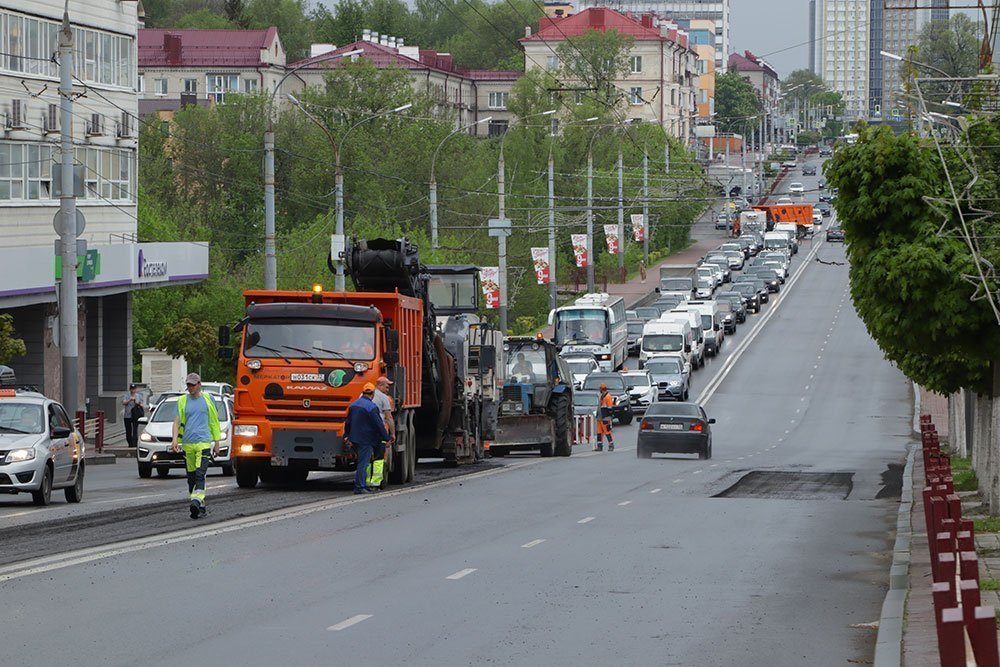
(526, 431)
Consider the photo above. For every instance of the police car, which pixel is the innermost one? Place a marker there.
(40, 450)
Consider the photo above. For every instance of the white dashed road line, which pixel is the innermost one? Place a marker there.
(586, 519)
(353, 620)
(532, 543)
(624, 503)
(656, 490)
(461, 573)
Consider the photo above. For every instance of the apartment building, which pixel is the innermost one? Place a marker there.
(660, 85)
(113, 263)
(845, 58)
(702, 38)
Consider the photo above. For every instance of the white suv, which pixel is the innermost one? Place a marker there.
(154, 441)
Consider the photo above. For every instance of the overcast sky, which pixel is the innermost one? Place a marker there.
(774, 30)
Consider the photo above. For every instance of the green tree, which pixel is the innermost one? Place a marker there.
(10, 345)
(289, 16)
(806, 84)
(737, 106)
(203, 19)
(595, 60)
(490, 40)
(195, 341)
(831, 105)
(341, 26)
(951, 46)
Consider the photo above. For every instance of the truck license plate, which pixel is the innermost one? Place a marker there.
(307, 377)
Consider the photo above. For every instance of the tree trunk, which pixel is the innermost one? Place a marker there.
(992, 444)
(984, 415)
(956, 424)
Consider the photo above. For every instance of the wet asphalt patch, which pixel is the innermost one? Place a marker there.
(791, 485)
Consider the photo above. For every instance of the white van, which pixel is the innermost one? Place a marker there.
(777, 241)
(697, 335)
(666, 337)
(792, 230)
(711, 323)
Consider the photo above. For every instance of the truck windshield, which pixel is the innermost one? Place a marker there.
(663, 342)
(526, 365)
(675, 284)
(451, 291)
(776, 244)
(309, 339)
(582, 326)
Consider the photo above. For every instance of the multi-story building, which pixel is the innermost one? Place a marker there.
(104, 128)
(467, 95)
(940, 10)
(761, 76)
(660, 84)
(701, 37)
(716, 11)
(205, 65)
(844, 60)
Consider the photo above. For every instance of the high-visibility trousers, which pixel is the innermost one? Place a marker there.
(377, 467)
(197, 456)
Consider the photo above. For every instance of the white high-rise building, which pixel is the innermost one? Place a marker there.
(679, 11)
(844, 55)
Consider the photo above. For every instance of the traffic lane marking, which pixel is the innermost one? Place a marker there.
(586, 519)
(624, 503)
(461, 573)
(532, 543)
(353, 620)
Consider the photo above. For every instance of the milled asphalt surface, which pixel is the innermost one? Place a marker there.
(596, 559)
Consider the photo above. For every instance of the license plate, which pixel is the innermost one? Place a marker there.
(671, 427)
(307, 377)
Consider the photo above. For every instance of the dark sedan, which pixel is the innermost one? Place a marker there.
(758, 285)
(835, 235)
(751, 299)
(737, 305)
(675, 428)
(769, 276)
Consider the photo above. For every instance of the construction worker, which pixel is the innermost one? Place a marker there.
(197, 424)
(605, 415)
(364, 430)
(383, 402)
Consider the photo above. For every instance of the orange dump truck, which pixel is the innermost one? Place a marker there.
(800, 214)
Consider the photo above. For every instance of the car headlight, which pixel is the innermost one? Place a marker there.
(145, 437)
(605, 357)
(19, 455)
(244, 430)
(223, 434)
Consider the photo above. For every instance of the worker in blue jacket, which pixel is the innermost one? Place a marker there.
(364, 430)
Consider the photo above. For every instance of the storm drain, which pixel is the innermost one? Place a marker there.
(780, 485)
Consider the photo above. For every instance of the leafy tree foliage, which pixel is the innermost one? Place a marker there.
(806, 83)
(195, 341)
(951, 46)
(10, 345)
(737, 106)
(204, 19)
(595, 60)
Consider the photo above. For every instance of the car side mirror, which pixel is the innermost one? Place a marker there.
(60, 432)
(226, 354)
(390, 357)
(223, 335)
(143, 420)
(657, 290)
(711, 421)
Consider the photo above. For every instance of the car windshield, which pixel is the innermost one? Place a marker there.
(526, 365)
(580, 366)
(707, 322)
(670, 409)
(675, 284)
(312, 339)
(663, 342)
(21, 418)
(587, 399)
(637, 380)
(647, 312)
(595, 380)
(167, 410)
(582, 325)
(636, 327)
(663, 366)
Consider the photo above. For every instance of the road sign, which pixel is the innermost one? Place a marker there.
(81, 222)
(499, 226)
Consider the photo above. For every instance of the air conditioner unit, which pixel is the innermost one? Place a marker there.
(51, 119)
(16, 119)
(124, 126)
(95, 127)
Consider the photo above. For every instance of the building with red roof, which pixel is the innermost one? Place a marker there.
(760, 74)
(660, 85)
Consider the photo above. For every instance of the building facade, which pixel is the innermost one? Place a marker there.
(716, 11)
(701, 35)
(113, 262)
(660, 85)
(844, 59)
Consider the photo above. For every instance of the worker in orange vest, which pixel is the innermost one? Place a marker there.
(606, 405)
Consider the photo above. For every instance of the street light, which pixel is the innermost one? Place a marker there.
(339, 186)
(899, 58)
(434, 215)
(270, 257)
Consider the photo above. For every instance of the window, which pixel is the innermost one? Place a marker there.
(25, 171)
(109, 173)
(159, 87)
(635, 64)
(141, 85)
(27, 44)
(190, 85)
(552, 63)
(498, 100)
(635, 95)
(217, 85)
(250, 86)
(702, 67)
(497, 128)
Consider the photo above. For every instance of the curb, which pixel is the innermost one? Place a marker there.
(100, 459)
(889, 642)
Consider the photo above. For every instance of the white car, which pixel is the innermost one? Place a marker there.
(218, 388)
(581, 366)
(704, 288)
(796, 188)
(642, 391)
(784, 200)
(154, 441)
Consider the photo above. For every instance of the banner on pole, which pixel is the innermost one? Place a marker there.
(580, 249)
(489, 276)
(611, 234)
(638, 227)
(540, 259)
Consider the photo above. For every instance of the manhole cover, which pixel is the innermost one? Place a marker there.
(781, 485)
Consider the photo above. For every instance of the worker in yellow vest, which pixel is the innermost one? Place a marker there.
(197, 425)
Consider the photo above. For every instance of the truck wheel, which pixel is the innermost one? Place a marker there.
(145, 470)
(564, 434)
(246, 475)
(400, 461)
(411, 454)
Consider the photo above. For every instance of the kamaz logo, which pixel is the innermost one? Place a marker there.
(306, 403)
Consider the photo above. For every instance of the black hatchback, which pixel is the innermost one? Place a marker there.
(675, 428)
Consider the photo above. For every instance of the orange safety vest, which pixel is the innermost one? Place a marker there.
(604, 423)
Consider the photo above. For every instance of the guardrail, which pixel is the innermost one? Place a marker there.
(92, 429)
(967, 631)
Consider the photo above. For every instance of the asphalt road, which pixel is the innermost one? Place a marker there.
(767, 554)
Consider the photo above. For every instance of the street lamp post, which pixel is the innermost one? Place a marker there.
(338, 146)
(270, 257)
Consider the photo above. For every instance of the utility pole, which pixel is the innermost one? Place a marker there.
(68, 309)
(501, 240)
(590, 221)
(552, 232)
(729, 180)
(621, 218)
(645, 207)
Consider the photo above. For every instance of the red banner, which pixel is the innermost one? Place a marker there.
(579, 249)
(540, 259)
(638, 227)
(611, 234)
(489, 276)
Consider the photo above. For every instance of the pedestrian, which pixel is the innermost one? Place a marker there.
(133, 409)
(642, 271)
(383, 402)
(197, 425)
(604, 418)
(364, 430)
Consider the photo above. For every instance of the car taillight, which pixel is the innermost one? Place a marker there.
(697, 426)
(645, 425)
